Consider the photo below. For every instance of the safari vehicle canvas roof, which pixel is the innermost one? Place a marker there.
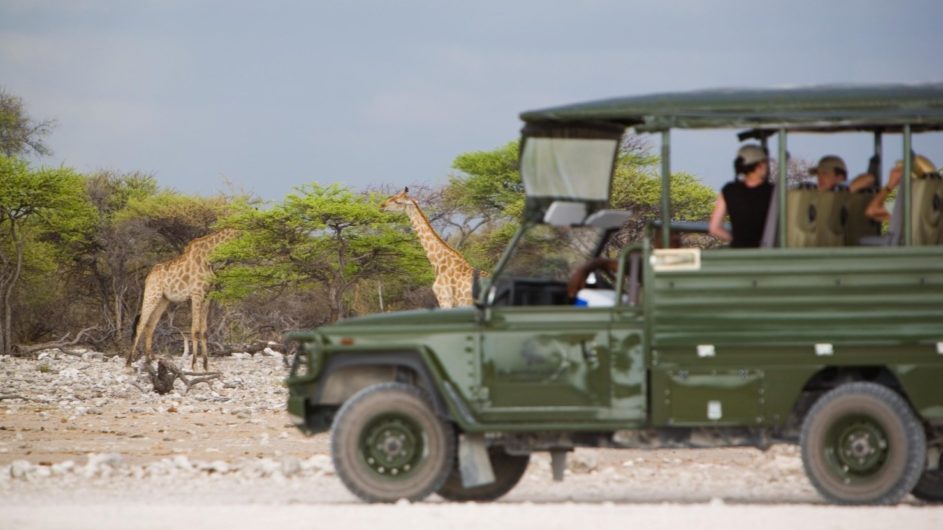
(762, 112)
(826, 108)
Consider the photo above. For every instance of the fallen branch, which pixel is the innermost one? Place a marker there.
(12, 396)
(167, 372)
(257, 347)
(62, 342)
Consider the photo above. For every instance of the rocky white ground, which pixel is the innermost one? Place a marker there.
(87, 445)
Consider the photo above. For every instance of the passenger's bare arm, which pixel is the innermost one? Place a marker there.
(862, 181)
(716, 227)
(876, 209)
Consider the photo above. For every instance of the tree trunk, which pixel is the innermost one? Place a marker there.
(118, 300)
(7, 345)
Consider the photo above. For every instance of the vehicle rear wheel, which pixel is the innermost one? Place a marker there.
(388, 444)
(508, 470)
(861, 444)
(930, 486)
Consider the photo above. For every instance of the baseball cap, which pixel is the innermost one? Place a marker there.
(829, 162)
(751, 154)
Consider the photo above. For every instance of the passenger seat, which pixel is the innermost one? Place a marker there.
(925, 215)
(816, 218)
(860, 225)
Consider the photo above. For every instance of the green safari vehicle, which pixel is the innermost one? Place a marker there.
(831, 342)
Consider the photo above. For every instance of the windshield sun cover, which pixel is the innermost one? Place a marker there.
(567, 164)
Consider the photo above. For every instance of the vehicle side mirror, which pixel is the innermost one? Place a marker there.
(565, 213)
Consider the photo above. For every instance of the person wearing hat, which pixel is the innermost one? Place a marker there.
(746, 200)
(831, 171)
(920, 166)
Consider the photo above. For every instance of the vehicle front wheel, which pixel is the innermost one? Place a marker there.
(930, 486)
(508, 470)
(861, 444)
(388, 444)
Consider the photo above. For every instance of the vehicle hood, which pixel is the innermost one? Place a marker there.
(403, 320)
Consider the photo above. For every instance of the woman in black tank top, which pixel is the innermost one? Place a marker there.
(746, 200)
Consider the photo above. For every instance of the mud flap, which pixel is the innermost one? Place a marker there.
(473, 461)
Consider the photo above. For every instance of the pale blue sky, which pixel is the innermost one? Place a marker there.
(270, 95)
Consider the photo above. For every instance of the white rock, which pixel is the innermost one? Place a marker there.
(20, 469)
(63, 467)
(266, 467)
(218, 466)
(290, 466)
(318, 464)
(102, 464)
(183, 463)
(582, 462)
(69, 373)
(159, 468)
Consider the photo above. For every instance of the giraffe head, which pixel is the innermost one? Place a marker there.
(398, 202)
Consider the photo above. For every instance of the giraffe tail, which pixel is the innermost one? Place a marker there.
(134, 327)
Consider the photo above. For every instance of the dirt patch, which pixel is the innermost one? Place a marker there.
(92, 440)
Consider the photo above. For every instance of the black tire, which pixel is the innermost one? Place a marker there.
(930, 486)
(508, 470)
(861, 444)
(388, 444)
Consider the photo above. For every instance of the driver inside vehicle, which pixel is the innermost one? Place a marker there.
(577, 282)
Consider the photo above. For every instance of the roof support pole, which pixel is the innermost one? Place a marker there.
(666, 188)
(781, 186)
(878, 152)
(906, 194)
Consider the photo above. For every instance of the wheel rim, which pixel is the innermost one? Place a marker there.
(392, 446)
(856, 449)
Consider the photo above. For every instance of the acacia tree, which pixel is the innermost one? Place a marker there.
(35, 205)
(110, 267)
(19, 133)
(320, 236)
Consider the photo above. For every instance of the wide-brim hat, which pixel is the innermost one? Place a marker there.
(829, 163)
(921, 166)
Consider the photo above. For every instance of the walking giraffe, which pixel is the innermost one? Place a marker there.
(186, 277)
(453, 275)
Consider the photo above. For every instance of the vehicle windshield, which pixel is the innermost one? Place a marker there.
(552, 252)
(571, 168)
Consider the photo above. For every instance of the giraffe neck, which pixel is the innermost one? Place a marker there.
(437, 250)
(200, 249)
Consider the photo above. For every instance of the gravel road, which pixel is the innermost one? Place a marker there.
(87, 445)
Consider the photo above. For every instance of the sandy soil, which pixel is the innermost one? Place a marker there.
(88, 441)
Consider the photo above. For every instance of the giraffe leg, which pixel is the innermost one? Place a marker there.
(196, 310)
(204, 317)
(152, 325)
(148, 306)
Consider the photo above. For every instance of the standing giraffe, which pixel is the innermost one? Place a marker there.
(453, 275)
(186, 277)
